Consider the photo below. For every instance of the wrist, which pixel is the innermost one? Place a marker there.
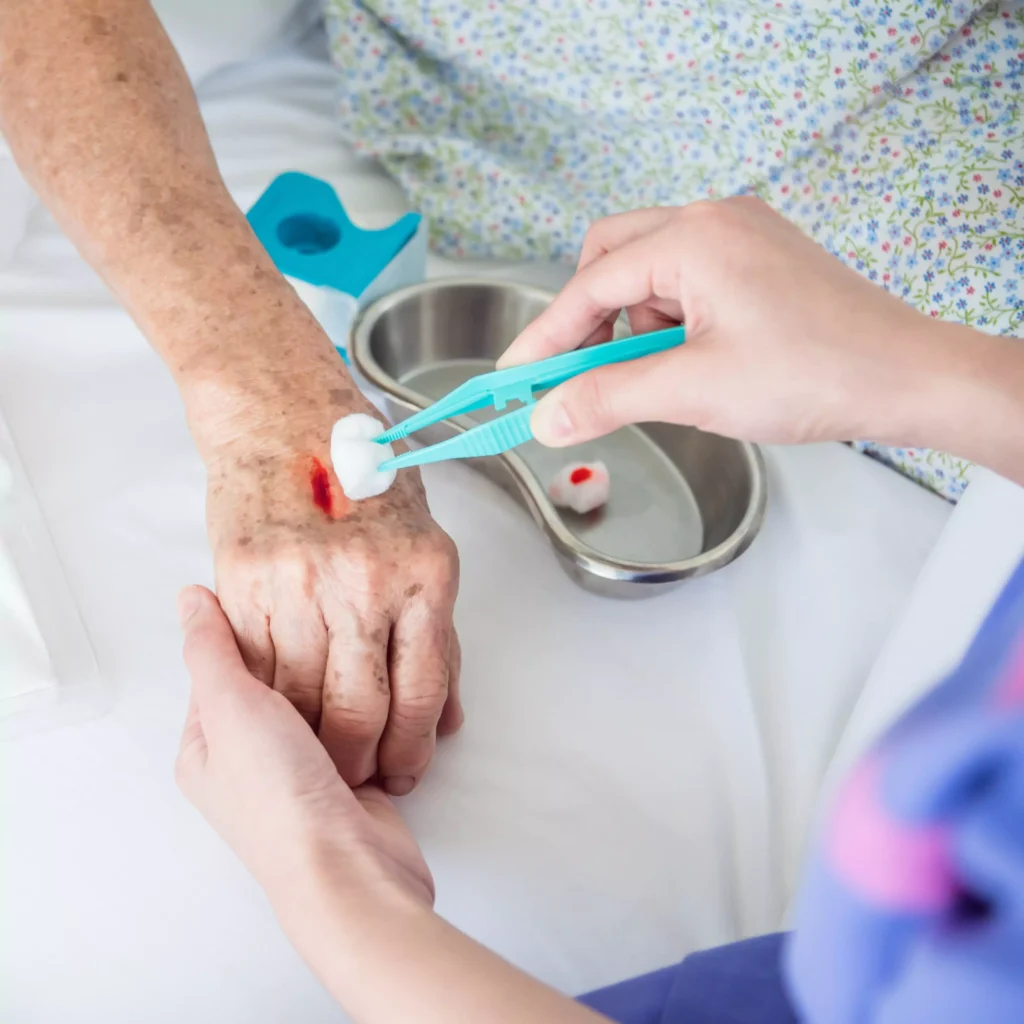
(341, 898)
(277, 391)
(981, 415)
(964, 395)
(921, 367)
(386, 956)
(248, 356)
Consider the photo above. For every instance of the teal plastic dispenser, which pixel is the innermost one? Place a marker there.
(336, 267)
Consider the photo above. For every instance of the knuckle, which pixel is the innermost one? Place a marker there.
(725, 222)
(416, 710)
(236, 563)
(357, 721)
(664, 216)
(705, 213)
(362, 572)
(359, 712)
(748, 203)
(291, 567)
(240, 590)
(366, 564)
(581, 296)
(305, 697)
(594, 237)
(439, 559)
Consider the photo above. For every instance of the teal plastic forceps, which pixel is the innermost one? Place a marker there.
(518, 383)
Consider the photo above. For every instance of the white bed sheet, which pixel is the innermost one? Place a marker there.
(960, 581)
(634, 782)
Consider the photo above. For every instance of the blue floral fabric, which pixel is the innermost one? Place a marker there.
(891, 133)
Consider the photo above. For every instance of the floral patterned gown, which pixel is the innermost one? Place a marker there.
(890, 133)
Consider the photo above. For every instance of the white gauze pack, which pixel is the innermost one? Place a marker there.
(356, 456)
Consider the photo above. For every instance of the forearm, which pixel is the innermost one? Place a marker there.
(391, 962)
(101, 118)
(969, 400)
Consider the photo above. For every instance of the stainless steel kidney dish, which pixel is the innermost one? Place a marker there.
(683, 502)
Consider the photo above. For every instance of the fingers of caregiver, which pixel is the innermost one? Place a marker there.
(220, 682)
(219, 676)
(654, 389)
(631, 262)
(652, 260)
(643, 269)
(784, 344)
(611, 233)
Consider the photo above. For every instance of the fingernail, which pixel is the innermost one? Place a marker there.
(188, 604)
(399, 785)
(554, 423)
(503, 360)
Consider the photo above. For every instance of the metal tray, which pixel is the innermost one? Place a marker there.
(683, 503)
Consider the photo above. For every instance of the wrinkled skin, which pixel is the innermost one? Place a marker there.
(348, 614)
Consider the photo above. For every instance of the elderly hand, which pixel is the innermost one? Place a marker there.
(343, 607)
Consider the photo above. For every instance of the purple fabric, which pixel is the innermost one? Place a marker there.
(912, 909)
(736, 984)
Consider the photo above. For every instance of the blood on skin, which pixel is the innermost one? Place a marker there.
(320, 483)
(580, 475)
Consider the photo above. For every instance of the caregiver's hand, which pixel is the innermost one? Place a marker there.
(784, 344)
(344, 875)
(255, 770)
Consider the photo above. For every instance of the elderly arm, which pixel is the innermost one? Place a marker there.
(346, 609)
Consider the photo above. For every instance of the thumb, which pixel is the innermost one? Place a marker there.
(212, 658)
(659, 388)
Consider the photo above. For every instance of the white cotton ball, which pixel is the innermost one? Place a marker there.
(356, 456)
(581, 486)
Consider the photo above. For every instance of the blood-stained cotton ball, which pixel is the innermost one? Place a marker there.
(581, 486)
(357, 457)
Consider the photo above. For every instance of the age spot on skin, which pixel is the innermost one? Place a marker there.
(170, 213)
(414, 590)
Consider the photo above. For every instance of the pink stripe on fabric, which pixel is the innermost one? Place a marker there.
(1010, 691)
(900, 866)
